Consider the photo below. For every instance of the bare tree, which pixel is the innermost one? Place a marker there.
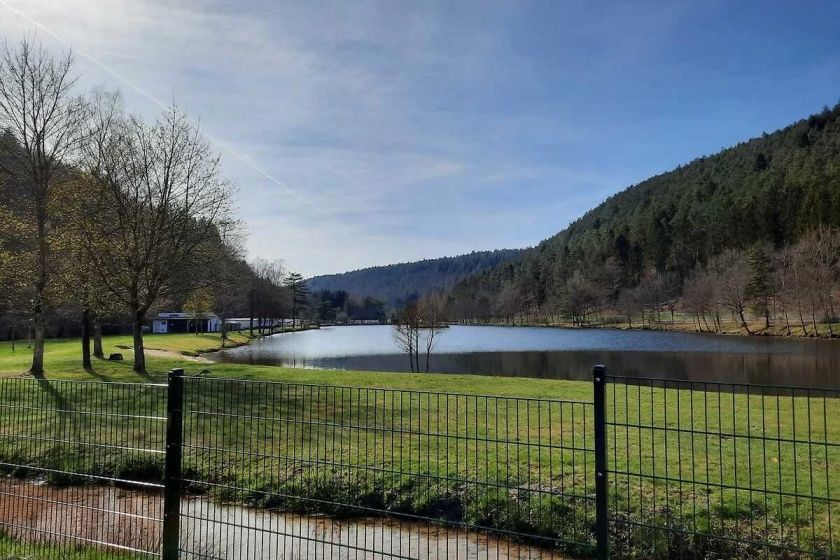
(629, 305)
(819, 261)
(786, 280)
(159, 200)
(578, 298)
(230, 275)
(731, 272)
(268, 298)
(40, 111)
(700, 298)
(407, 333)
(431, 310)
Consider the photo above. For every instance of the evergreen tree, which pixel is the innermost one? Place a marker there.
(299, 292)
(761, 284)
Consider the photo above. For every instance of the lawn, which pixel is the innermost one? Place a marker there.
(14, 550)
(498, 453)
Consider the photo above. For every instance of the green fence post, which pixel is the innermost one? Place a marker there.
(172, 473)
(599, 373)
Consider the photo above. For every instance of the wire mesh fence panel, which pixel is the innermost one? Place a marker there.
(279, 470)
(712, 470)
(81, 468)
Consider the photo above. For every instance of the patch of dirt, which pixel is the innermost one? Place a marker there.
(177, 355)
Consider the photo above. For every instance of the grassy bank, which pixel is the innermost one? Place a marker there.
(432, 447)
(15, 550)
(63, 361)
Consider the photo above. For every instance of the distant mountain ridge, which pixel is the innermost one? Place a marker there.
(396, 284)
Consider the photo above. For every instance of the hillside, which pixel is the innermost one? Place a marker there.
(398, 283)
(771, 189)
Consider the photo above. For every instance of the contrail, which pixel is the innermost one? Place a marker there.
(143, 92)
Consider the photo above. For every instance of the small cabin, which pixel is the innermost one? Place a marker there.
(166, 323)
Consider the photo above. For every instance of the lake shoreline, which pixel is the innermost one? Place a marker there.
(729, 330)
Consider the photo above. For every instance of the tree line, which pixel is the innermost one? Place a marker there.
(794, 286)
(105, 215)
(340, 306)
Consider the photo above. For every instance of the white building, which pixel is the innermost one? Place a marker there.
(166, 323)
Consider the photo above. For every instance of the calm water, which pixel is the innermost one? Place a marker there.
(560, 354)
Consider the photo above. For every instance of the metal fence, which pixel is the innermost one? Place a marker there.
(700, 470)
(81, 465)
(227, 469)
(457, 476)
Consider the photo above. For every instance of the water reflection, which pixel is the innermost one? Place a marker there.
(562, 354)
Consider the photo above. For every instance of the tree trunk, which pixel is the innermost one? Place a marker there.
(787, 319)
(429, 349)
(743, 321)
(409, 337)
(37, 369)
(139, 351)
(97, 339)
(86, 363)
(801, 318)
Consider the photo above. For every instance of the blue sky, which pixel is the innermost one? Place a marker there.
(363, 133)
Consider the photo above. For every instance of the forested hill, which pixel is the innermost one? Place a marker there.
(397, 284)
(769, 189)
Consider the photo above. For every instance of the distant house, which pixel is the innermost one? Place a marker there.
(166, 323)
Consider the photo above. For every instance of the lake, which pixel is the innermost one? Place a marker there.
(557, 353)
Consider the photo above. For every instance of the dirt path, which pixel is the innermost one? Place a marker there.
(177, 355)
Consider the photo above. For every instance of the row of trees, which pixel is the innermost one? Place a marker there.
(105, 214)
(340, 306)
(796, 284)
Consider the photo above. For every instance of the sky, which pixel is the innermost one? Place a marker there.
(364, 132)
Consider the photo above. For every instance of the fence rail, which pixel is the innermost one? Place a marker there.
(217, 468)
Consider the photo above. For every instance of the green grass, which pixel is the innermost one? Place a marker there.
(14, 550)
(301, 447)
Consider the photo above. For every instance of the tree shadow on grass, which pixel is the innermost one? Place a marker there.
(91, 371)
(54, 457)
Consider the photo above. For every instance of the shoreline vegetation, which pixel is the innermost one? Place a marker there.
(680, 323)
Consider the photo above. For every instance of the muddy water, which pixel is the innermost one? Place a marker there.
(234, 532)
(83, 516)
(130, 519)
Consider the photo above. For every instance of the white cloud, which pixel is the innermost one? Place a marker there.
(355, 131)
